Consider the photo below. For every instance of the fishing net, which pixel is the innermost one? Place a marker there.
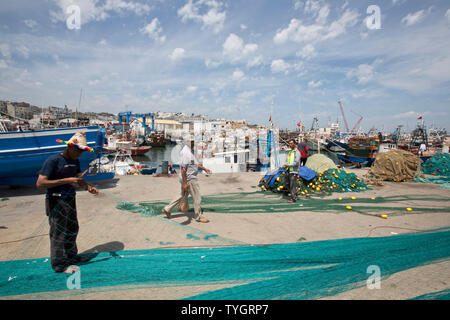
(324, 183)
(319, 163)
(268, 202)
(302, 270)
(443, 182)
(395, 165)
(437, 165)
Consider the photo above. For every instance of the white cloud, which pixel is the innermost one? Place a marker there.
(338, 27)
(256, 61)
(213, 19)
(97, 11)
(30, 24)
(312, 6)
(307, 52)
(313, 84)
(297, 32)
(298, 4)
(408, 114)
(323, 15)
(280, 66)
(300, 33)
(235, 50)
(447, 15)
(413, 18)
(154, 30)
(238, 75)
(191, 89)
(212, 64)
(5, 51)
(93, 82)
(364, 73)
(177, 54)
(23, 51)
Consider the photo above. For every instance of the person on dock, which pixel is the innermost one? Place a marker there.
(292, 167)
(60, 174)
(303, 148)
(188, 178)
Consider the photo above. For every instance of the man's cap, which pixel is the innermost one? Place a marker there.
(78, 140)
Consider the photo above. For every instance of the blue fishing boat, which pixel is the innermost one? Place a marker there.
(22, 154)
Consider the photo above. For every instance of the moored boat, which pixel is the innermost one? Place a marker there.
(22, 154)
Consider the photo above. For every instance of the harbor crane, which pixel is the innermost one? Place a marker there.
(129, 115)
(343, 116)
(357, 123)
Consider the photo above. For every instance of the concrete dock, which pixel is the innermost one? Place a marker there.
(104, 228)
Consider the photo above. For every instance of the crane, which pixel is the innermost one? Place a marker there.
(343, 116)
(357, 123)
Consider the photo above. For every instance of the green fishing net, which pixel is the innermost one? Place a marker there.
(325, 183)
(438, 165)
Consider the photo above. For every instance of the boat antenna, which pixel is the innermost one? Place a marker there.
(79, 103)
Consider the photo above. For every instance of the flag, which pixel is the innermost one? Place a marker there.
(299, 124)
(419, 118)
(270, 118)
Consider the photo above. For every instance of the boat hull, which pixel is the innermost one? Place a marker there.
(355, 159)
(140, 150)
(22, 154)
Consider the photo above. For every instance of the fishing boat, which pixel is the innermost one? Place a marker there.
(22, 154)
(123, 164)
(115, 144)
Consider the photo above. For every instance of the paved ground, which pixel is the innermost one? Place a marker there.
(105, 228)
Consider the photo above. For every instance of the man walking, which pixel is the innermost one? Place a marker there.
(188, 178)
(303, 148)
(292, 166)
(59, 175)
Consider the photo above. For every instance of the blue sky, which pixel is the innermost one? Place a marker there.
(233, 58)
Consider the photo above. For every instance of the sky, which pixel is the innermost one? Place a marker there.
(387, 61)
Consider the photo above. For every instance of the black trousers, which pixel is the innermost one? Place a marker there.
(303, 161)
(62, 218)
(290, 185)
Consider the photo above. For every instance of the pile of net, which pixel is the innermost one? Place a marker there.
(437, 165)
(324, 183)
(394, 165)
(320, 163)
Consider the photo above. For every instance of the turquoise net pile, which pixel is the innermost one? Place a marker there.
(438, 167)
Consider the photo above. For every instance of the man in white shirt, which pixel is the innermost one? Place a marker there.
(189, 184)
(423, 147)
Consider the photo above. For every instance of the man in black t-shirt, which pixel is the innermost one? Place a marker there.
(59, 175)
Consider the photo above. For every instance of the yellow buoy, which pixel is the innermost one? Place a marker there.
(409, 209)
(384, 216)
(339, 198)
(348, 208)
(353, 198)
(373, 198)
